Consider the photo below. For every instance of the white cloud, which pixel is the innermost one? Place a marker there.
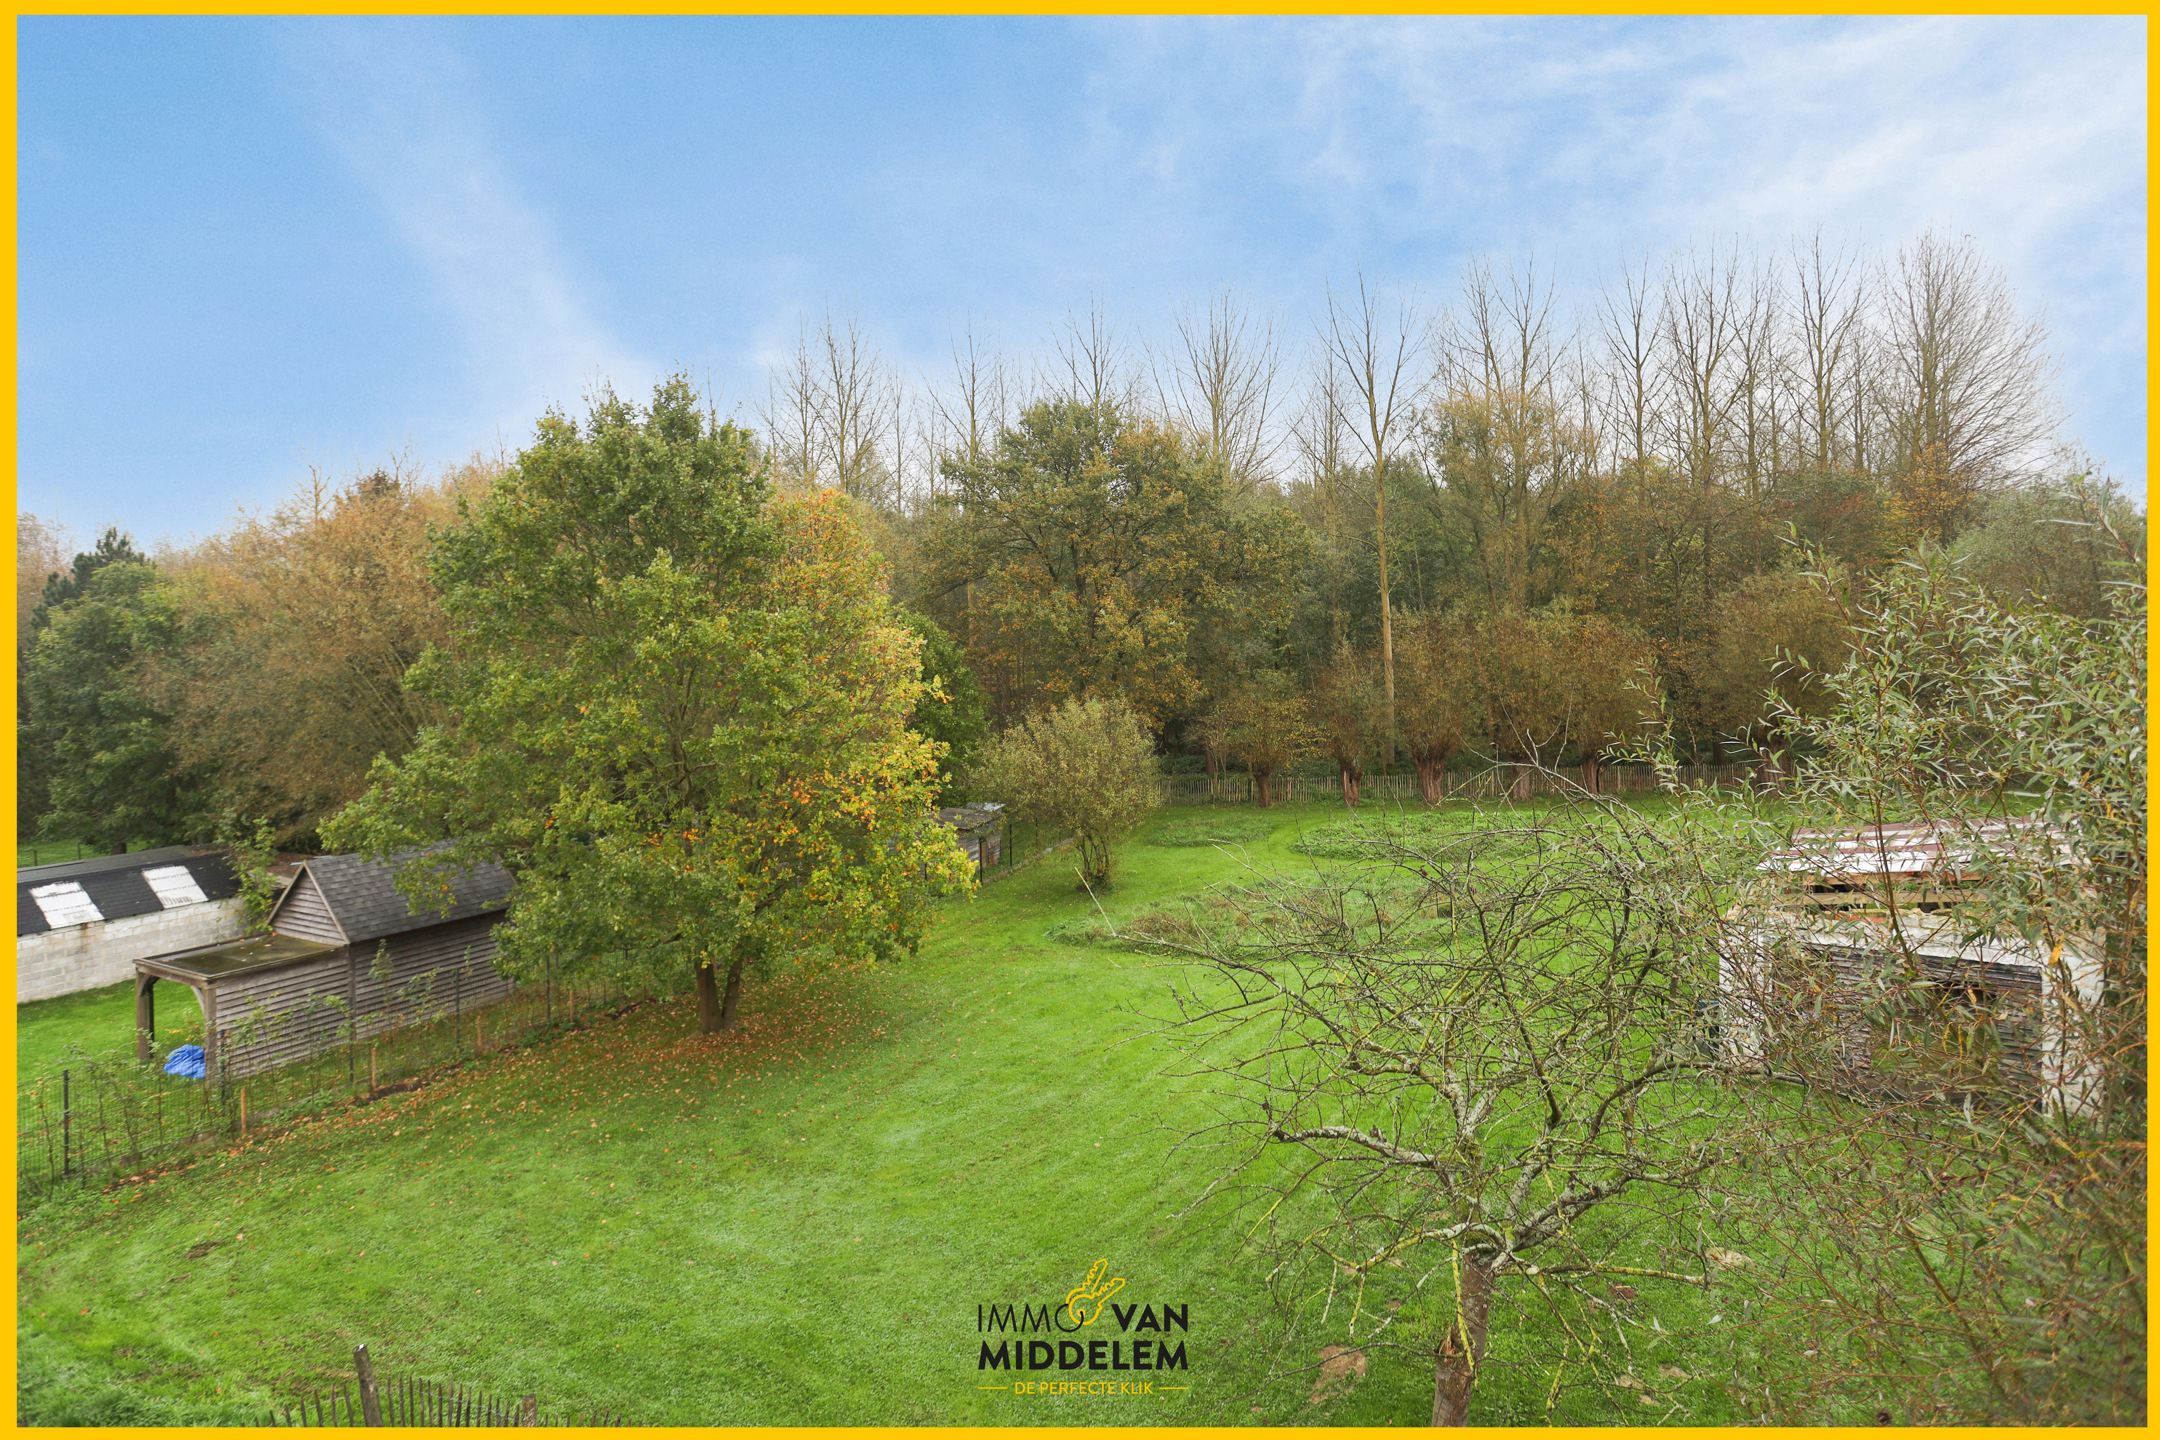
(391, 100)
(1590, 141)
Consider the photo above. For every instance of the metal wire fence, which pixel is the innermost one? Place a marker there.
(102, 1114)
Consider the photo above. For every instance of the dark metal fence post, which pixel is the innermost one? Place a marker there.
(370, 1402)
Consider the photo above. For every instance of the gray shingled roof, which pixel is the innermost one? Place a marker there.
(363, 896)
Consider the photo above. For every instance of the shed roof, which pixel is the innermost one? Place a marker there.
(1942, 849)
(364, 900)
(112, 887)
(968, 818)
(232, 957)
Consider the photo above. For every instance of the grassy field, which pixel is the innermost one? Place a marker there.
(45, 852)
(794, 1224)
(99, 1022)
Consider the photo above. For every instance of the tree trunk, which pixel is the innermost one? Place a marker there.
(1463, 1350)
(1387, 626)
(1264, 783)
(1428, 779)
(717, 1008)
(1350, 780)
(731, 998)
(1591, 772)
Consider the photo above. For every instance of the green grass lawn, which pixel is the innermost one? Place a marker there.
(45, 852)
(794, 1224)
(97, 1022)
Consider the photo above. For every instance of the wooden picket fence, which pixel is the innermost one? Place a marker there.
(1498, 783)
(372, 1402)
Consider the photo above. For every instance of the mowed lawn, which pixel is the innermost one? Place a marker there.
(98, 1023)
(47, 852)
(795, 1224)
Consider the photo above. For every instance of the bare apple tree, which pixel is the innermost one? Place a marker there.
(1475, 1062)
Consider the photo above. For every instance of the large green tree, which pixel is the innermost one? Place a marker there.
(43, 583)
(953, 710)
(676, 709)
(1097, 553)
(112, 778)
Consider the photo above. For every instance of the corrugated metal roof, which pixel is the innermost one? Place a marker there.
(1941, 848)
(364, 899)
(114, 886)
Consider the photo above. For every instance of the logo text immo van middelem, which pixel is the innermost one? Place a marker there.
(1143, 1342)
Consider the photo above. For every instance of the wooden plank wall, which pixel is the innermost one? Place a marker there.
(441, 970)
(2012, 994)
(275, 1017)
(305, 914)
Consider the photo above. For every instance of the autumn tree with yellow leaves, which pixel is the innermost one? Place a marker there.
(676, 708)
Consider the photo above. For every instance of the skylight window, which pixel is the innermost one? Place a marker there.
(174, 885)
(64, 903)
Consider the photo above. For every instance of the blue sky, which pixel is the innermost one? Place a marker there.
(249, 247)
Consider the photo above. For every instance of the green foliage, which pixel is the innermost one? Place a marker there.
(1773, 642)
(2060, 545)
(1105, 553)
(112, 548)
(1084, 768)
(254, 850)
(34, 742)
(113, 779)
(1267, 728)
(953, 710)
(677, 712)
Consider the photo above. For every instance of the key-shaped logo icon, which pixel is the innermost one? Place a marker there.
(1084, 1301)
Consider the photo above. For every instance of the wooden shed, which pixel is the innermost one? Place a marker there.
(1863, 949)
(980, 829)
(346, 957)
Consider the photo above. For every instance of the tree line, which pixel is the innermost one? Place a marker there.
(1498, 522)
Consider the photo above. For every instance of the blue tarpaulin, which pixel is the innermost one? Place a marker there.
(185, 1061)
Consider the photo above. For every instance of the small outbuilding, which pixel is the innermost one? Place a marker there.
(1866, 948)
(82, 924)
(346, 957)
(980, 829)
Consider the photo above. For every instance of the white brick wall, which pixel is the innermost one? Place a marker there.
(84, 957)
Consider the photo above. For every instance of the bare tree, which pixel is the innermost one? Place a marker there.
(793, 416)
(1461, 1053)
(1963, 377)
(1220, 380)
(831, 411)
(1495, 441)
(975, 403)
(1373, 350)
(1319, 436)
(861, 397)
(1092, 365)
(1702, 308)
(1760, 356)
(1827, 314)
(1629, 326)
